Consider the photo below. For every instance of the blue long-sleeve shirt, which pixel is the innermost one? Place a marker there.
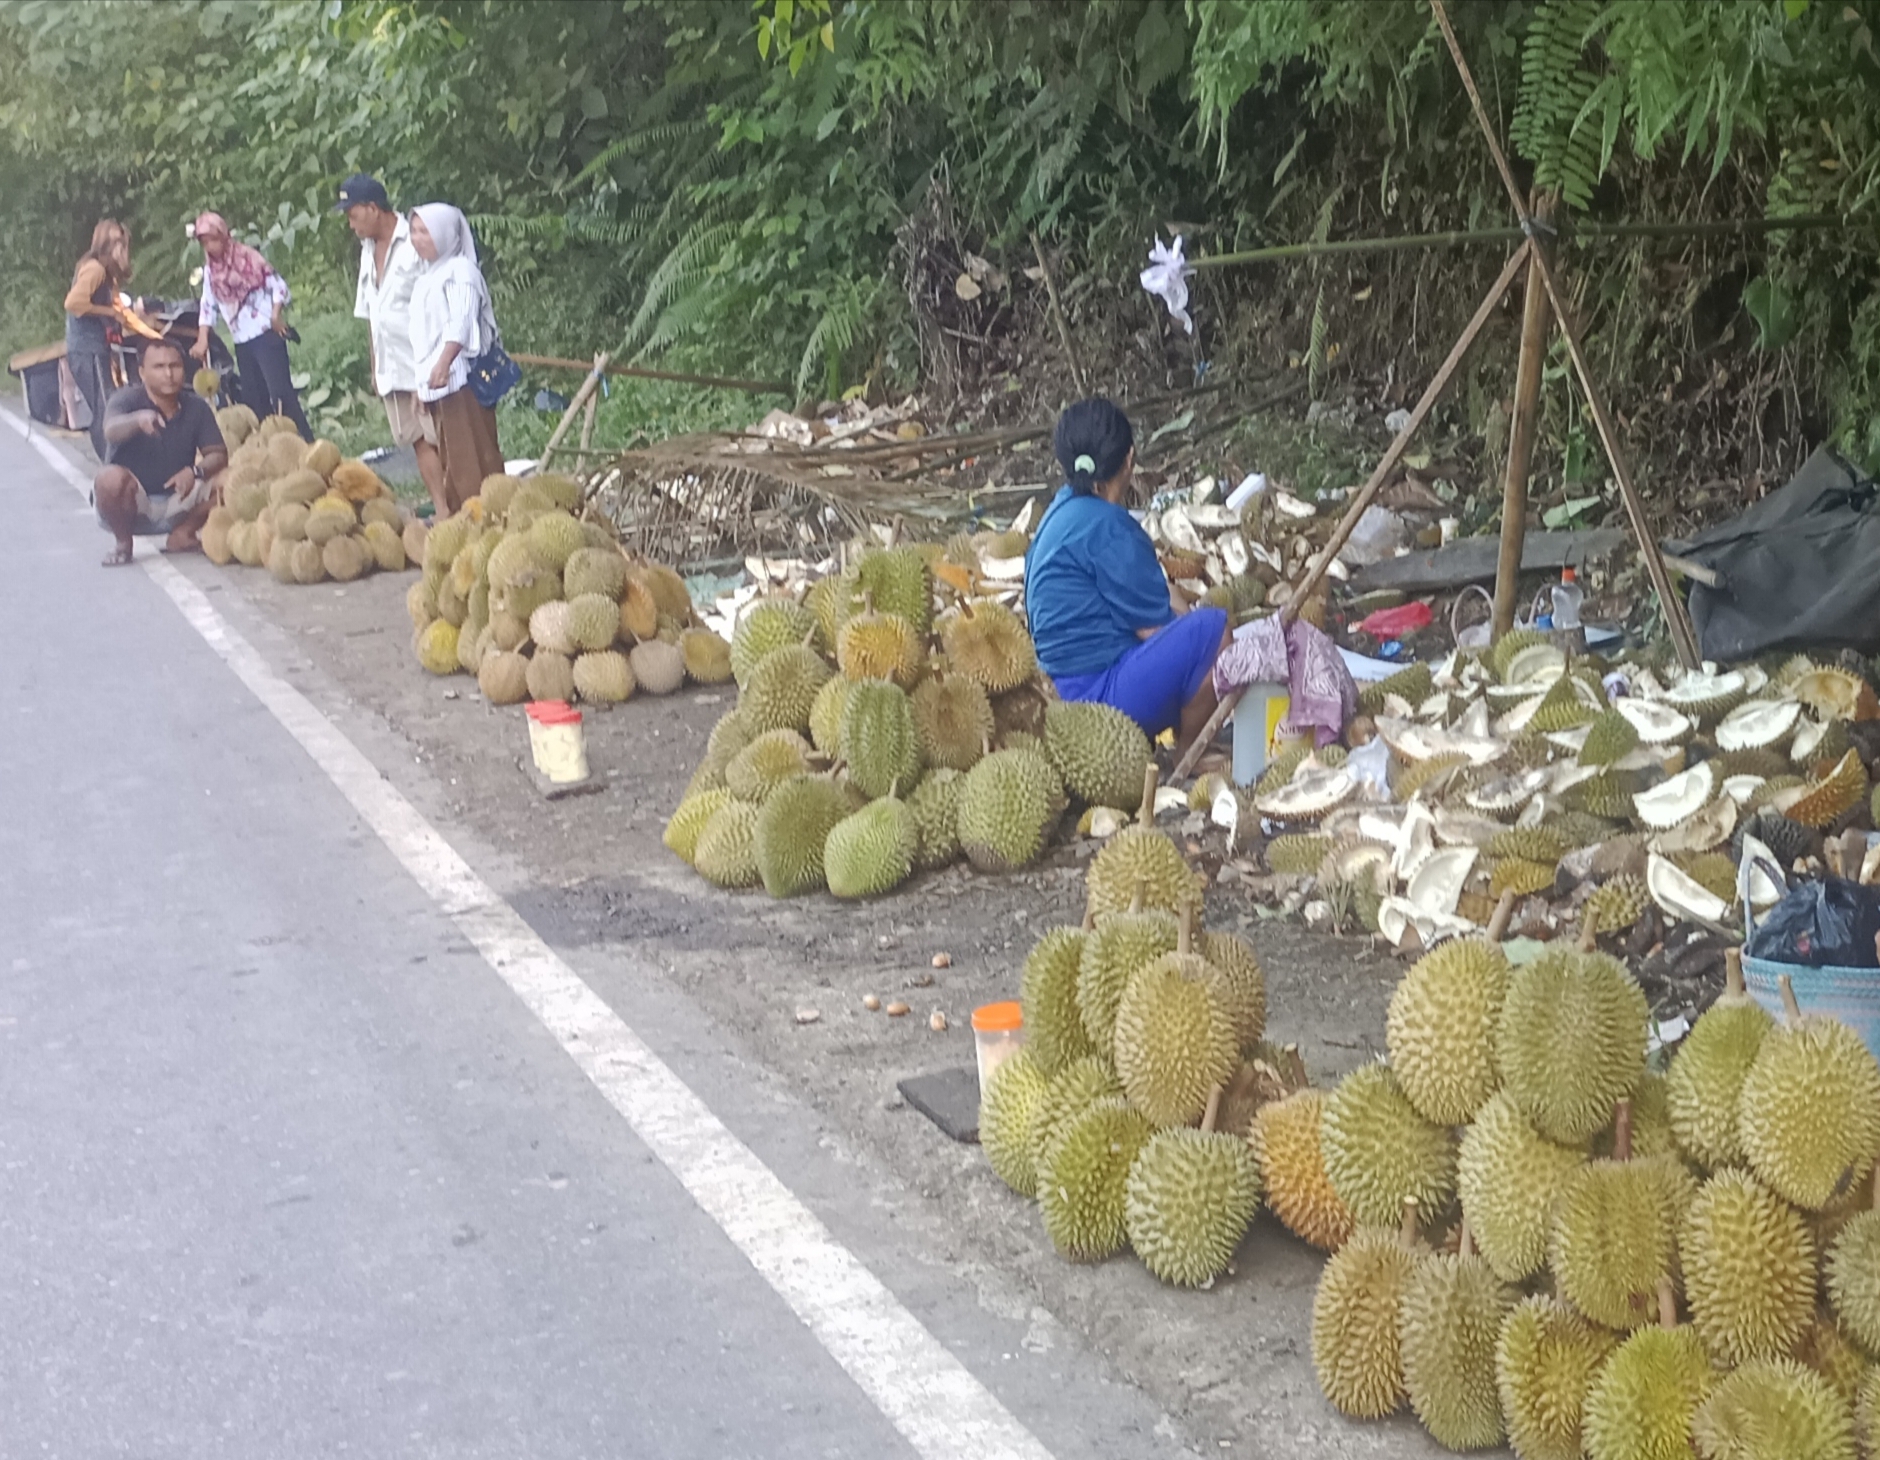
(1091, 581)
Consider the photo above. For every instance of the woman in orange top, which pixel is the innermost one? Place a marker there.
(101, 272)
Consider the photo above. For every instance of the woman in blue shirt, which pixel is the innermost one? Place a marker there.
(1107, 625)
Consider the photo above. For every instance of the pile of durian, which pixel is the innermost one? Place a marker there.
(1552, 1245)
(1505, 766)
(540, 604)
(874, 737)
(302, 511)
(1144, 1100)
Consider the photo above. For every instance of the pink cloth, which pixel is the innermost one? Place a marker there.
(1303, 659)
(240, 271)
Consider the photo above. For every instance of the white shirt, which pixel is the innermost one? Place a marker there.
(254, 316)
(440, 313)
(384, 302)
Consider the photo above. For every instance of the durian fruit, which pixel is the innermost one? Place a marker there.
(1519, 876)
(795, 821)
(556, 537)
(290, 522)
(1508, 1176)
(247, 502)
(345, 558)
(302, 489)
(1773, 1409)
(1174, 1043)
(1084, 1177)
(875, 645)
(244, 544)
(639, 617)
(1645, 1397)
(1409, 782)
(1616, 904)
(1357, 1345)
(414, 536)
(1140, 858)
(1827, 798)
(1803, 1068)
(551, 676)
(1749, 1270)
(1614, 1235)
(1047, 994)
(658, 667)
(280, 562)
(1009, 804)
(766, 626)
(1006, 1111)
(687, 822)
(1021, 711)
(1440, 1031)
(215, 536)
(1853, 1277)
(504, 678)
(1867, 1413)
(593, 622)
(1609, 738)
(986, 641)
(1413, 683)
(1530, 843)
(1545, 1362)
(563, 492)
(952, 720)
(1237, 969)
(825, 716)
(310, 563)
(1380, 1152)
(707, 657)
(595, 570)
(726, 850)
(1571, 1041)
(329, 518)
(1190, 1197)
(1099, 752)
(872, 851)
(756, 771)
(420, 603)
(897, 580)
(1449, 1322)
(1834, 1356)
(1285, 1140)
(781, 688)
(935, 807)
(1117, 945)
(603, 678)
(1068, 1093)
(385, 545)
(876, 735)
(1705, 1081)
(437, 647)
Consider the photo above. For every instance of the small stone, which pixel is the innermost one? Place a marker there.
(808, 1016)
(896, 1009)
(885, 941)
(937, 1022)
(871, 1002)
(920, 981)
(943, 960)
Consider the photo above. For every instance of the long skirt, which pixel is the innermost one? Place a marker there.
(466, 440)
(268, 383)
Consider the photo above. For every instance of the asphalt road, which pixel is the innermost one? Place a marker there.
(285, 1170)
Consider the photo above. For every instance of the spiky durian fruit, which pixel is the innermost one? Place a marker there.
(1084, 1177)
(872, 851)
(1519, 876)
(1614, 1236)
(986, 641)
(1174, 1043)
(1237, 968)
(792, 827)
(1006, 1111)
(1297, 854)
(1448, 1325)
(1511, 644)
(825, 716)
(876, 735)
(1610, 737)
(1853, 1279)
(1411, 781)
(1571, 1041)
(592, 623)
(1705, 1082)
(874, 645)
(726, 850)
(1190, 1196)
(420, 603)
(1357, 1348)
(766, 626)
(1617, 904)
(952, 720)
(1867, 1412)
(1047, 993)
(658, 667)
(1099, 752)
(898, 581)
(1829, 796)
(556, 536)
(551, 676)
(935, 806)
(1281, 769)
(1803, 1068)
(1607, 795)
(1117, 945)
(1508, 1176)
(1412, 683)
(1286, 1141)
(1068, 1093)
(707, 657)
(1380, 1152)
(385, 545)
(757, 770)
(437, 647)
(1773, 1409)
(1644, 1399)
(1545, 1362)
(1009, 803)
(1561, 708)
(1531, 843)
(595, 570)
(504, 678)
(1440, 1031)
(1749, 1270)
(1140, 856)
(781, 688)
(639, 618)
(688, 821)
(604, 678)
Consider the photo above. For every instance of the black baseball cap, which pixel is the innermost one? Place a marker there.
(362, 187)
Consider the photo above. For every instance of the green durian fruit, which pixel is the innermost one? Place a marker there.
(877, 736)
(1379, 1152)
(1773, 1409)
(935, 805)
(1009, 804)
(688, 821)
(1508, 1176)
(1047, 992)
(1571, 1041)
(1190, 1197)
(726, 850)
(1099, 752)
(1645, 1397)
(1545, 1363)
(1174, 1043)
(796, 820)
(766, 626)
(1440, 1030)
(780, 691)
(952, 721)
(1116, 946)
(1749, 1270)
(1448, 1326)
(872, 851)
(1084, 1178)
(1006, 1111)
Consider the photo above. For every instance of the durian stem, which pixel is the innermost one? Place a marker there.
(1789, 1006)
(1589, 931)
(1733, 973)
(1149, 781)
(1876, 1186)
(1504, 915)
(1465, 1240)
(1140, 896)
(1411, 1230)
(1667, 1304)
(1214, 1110)
(1090, 918)
(1185, 942)
(1622, 1131)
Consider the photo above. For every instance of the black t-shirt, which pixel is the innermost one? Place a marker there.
(153, 460)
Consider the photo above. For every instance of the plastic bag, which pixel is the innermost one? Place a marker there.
(1829, 923)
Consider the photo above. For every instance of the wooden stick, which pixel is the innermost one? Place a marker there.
(1503, 915)
(1522, 431)
(1393, 454)
(1667, 1304)
(1733, 974)
(588, 387)
(1695, 571)
(1213, 1112)
(1677, 621)
(556, 362)
(593, 409)
(1057, 315)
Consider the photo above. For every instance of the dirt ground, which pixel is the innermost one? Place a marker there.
(1233, 1360)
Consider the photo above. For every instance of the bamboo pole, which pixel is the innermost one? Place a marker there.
(1677, 621)
(1521, 433)
(593, 409)
(581, 398)
(1393, 454)
(640, 372)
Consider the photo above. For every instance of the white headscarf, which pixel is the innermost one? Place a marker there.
(456, 263)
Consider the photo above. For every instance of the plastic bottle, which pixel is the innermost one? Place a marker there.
(1567, 599)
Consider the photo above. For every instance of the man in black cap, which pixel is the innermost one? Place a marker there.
(388, 269)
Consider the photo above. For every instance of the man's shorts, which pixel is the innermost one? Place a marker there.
(409, 420)
(160, 512)
(1154, 679)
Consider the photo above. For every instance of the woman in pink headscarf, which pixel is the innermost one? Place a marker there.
(451, 324)
(241, 286)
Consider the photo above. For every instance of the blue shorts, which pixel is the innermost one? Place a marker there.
(1153, 681)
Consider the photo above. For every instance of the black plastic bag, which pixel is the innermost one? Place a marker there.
(1830, 923)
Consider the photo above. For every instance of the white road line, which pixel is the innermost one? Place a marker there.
(923, 1390)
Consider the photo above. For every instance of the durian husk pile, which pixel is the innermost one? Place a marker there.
(537, 602)
(300, 510)
(893, 719)
(1502, 766)
(1559, 1248)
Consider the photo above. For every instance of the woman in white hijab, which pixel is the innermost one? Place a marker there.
(452, 324)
